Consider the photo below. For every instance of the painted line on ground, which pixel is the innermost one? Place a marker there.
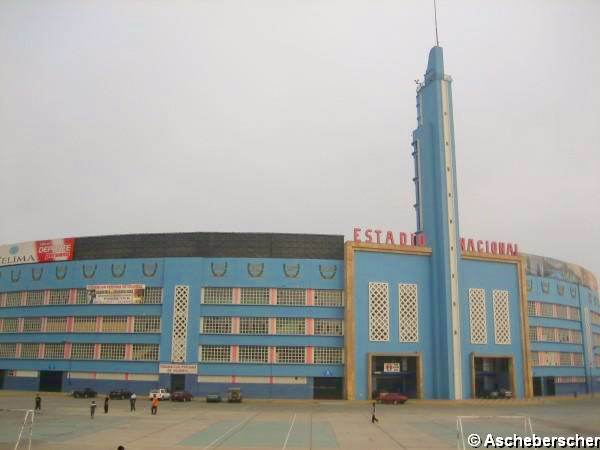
(224, 435)
(289, 432)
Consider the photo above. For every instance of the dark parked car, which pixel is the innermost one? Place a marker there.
(392, 397)
(181, 396)
(234, 395)
(85, 393)
(120, 394)
(213, 398)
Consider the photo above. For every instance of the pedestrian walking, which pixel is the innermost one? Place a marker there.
(154, 408)
(373, 418)
(132, 400)
(38, 402)
(93, 408)
(106, 399)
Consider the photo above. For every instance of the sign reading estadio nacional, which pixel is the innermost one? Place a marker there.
(37, 252)
(188, 369)
(115, 294)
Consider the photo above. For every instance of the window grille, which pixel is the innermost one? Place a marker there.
(54, 351)
(546, 309)
(11, 325)
(145, 352)
(290, 355)
(59, 297)
(290, 325)
(328, 298)
(578, 359)
(501, 307)
(328, 327)
(574, 313)
(215, 353)
(533, 334)
(153, 295)
(13, 299)
(217, 296)
(597, 339)
(379, 312)
(32, 324)
(565, 359)
(84, 324)
(30, 351)
(34, 298)
(180, 318)
(595, 318)
(254, 296)
(8, 350)
(56, 324)
(564, 336)
(82, 351)
(114, 324)
(253, 354)
(477, 316)
(531, 308)
(112, 351)
(548, 334)
(562, 312)
(254, 325)
(408, 311)
(216, 325)
(146, 324)
(328, 355)
(81, 297)
(291, 297)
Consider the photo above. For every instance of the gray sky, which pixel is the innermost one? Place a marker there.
(295, 116)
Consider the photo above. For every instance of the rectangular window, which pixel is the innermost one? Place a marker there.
(574, 313)
(291, 297)
(548, 334)
(146, 324)
(253, 354)
(564, 335)
(215, 353)
(84, 324)
(565, 359)
(34, 298)
(82, 351)
(477, 316)
(59, 297)
(112, 351)
(578, 359)
(328, 298)
(32, 324)
(379, 312)
(216, 325)
(153, 295)
(254, 325)
(13, 299)
(56, 324)
(30, 351)
(114, 324)
(8, 350)
(561, 312)
(54, 351)
(145, 352)
(290, 325)
(11, 325)
(328, 355)
(81, 297)
(408, 312)
(546, 310)
(290, 355)
(531, 308)
(329, 327)
(254, 296)
(533, 334)
(217, 296)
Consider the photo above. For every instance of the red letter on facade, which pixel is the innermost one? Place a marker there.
(462, 244)
(378, 233)
(471, 245)
(480, 246)
(357, 235)
(403, 238)
(389, 238)
(368, 235)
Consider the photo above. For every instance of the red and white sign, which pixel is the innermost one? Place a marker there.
(391, 367)
(491, 247)
(376, 236)
(37, 252)
(188, 369)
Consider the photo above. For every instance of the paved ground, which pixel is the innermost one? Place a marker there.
(65, 423)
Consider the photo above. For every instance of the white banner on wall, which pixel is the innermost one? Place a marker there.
(115, 294)
(191, 369)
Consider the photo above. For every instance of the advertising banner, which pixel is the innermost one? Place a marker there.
(391, 367)
(187, 369)
(37, 252)
(115, 294)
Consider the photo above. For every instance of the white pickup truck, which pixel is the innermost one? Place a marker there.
(161, 394)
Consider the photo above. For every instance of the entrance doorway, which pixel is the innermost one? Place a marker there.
(394, 373)
(549, 386)
(329, 388)
(2, 375)
(537, 386)
(493, 377)
(177, 382)
(51, 380)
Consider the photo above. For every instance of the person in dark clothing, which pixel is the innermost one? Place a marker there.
(132, 400)
(38, 402)
(106, 399)
(373, 418)
(92, 408)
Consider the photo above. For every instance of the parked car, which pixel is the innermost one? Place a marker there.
(161, 394)
(392, 397)
(234, 395)
(85, 393)
(213, 398)
(181, 396)
(120, 394)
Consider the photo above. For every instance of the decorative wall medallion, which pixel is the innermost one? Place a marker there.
(118, 270)
(255, 270)
(218, 269)
(61, 272)
(36, 274)
(328, 272)
(291, 270)
(149, 270)
(15, 275)
(560, 288)
(545, 286)
(573, 290)
(89, 272)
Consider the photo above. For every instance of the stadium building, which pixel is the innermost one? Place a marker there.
(428, 314)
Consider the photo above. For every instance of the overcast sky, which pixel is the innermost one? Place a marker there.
(296, 116)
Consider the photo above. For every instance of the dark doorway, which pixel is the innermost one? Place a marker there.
(493, 377)
(549, 387)
(394, 374)
(537, 386)
(2, 375)
(328, 388)
(51, 380)
(177, 383)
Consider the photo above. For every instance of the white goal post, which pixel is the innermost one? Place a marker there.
(495, 425)
(26, 427)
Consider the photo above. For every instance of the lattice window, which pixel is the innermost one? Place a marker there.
(291, 297)
(54, 351)
(30, 351)
(81, 297)
(11, 325)
(254, 325)
(56, 324)
(290, 325)
(254, 296)
(290, 355)
(253, 354)
(13, 299)
(546, 309)
(379, 312)
(8, 350)
(216, 325)
(180, 317)
(145, 352)
(547, 334)
(533, 334)
(328, 355)
(146, 324)
(565, 359)
(82, 351)
(34, 298)
(217, 296)
(114, 324)
(595, 318)
(84, 324)
(531, 309)
(596, 339)
(578, 359)
(32, 324)
(112, 351)
(564, 336)
(408, 307)
(477, 316)
(562, 312)
(153, 295)
(574, 313)
(501, 317)
(215, 353)
(59, 297)
(328, 298)
(329, 327)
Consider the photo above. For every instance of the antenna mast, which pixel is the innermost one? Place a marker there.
(437, 41)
